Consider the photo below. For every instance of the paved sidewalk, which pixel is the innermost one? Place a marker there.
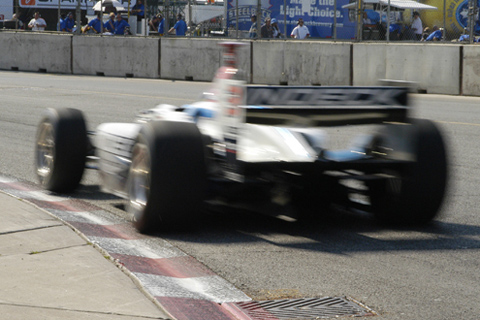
(47, 271)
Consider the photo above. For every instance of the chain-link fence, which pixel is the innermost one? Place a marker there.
(357, 20)
(402, 20)
(365, 20)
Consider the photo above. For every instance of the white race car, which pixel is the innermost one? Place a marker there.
(258, 147)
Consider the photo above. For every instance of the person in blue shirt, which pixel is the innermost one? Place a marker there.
(161, 26)
(252, 33)
(61, 24)
(436, 35)
(464, 37)
(96, 24)
(374, 16)
(370, 23)
(180, 27)
(139, 10)
(120, 25)
(109, 26)
(395, 31)
(69, 22)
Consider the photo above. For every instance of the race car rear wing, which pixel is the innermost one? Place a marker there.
(325, 106)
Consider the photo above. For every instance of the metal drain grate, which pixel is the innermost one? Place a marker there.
(295, 309)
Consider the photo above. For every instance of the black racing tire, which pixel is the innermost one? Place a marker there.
(167, 179)
(414, 195)
(61, 149)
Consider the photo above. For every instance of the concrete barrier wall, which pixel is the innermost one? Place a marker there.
(197, 59)
(369, 63)
(116, 56)
(28, 51)
(268, 62)
(301, 62)
(435, 67)
(471, 70)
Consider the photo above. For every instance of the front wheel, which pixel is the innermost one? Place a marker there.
(167, 178)
(61, 149)
(412, 195)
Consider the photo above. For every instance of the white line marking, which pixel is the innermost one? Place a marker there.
(211, 288)
(6, 180)
(82, 217)
(138, 247)
(35, 195)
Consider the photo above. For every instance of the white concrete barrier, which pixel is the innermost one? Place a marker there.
(435, 67)
(471, 70)
(369, 63)
(268, 62)
(301, 62)
(197, 59)
(35, 51)
(116, 56)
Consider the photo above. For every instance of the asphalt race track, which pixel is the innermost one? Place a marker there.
(419, 273)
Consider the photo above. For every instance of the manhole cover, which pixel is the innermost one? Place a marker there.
(306, 309)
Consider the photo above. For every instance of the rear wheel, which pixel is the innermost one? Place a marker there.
(413, 195)
(61, 149)
(167, 178)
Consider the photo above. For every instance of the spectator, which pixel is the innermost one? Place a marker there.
(95, 24)
(366, 19)
(37, 23)
(161, 26)
(464, 37)
(368, 27)
(154, 22)
(109, 26)
(267, 30)
(395, 31)
(417, 26)
(138, 10)
(373, 16)
(300, 31)
(120, 25)
(426, 33)
(180, 27)
(276, 30)
(18, 22)
(436, 34)
(69, 22)
(252, 33)
(61, 23)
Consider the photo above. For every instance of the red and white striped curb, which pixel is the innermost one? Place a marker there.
(183, 286)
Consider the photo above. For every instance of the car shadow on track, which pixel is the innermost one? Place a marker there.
(336, 231)
(92, 192)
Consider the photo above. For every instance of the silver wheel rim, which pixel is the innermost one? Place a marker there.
(139, 181)
(45, 152)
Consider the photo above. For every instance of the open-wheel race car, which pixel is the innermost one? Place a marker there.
(259, 147)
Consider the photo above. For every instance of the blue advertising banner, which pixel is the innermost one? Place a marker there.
(317, 14)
